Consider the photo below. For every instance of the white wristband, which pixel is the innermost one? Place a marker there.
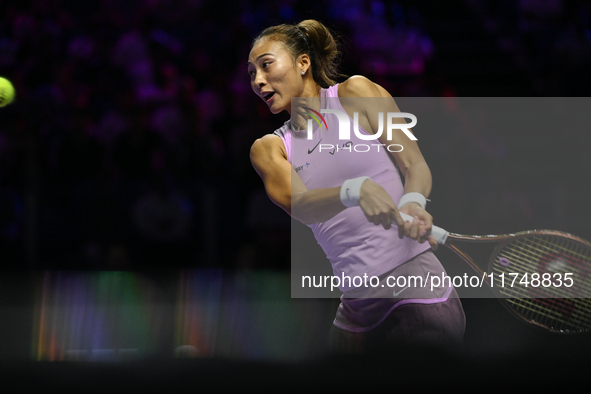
(351, 190)
(412, 197)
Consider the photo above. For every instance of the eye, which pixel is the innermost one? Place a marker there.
(265, 64)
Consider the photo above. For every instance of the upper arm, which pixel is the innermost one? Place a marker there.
(359, 86)
(269, 159)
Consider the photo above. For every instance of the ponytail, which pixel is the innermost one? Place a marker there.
(314, 39)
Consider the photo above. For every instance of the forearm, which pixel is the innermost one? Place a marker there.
(417, 178)
(316, 205)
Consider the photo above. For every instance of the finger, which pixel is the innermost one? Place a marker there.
(386, 222)
(399, 223)
(398, 219)
(428, 222)
(407, 226)
(423, 233)
(374, 219)
(433, 243)
(414, 228)
(418, 230)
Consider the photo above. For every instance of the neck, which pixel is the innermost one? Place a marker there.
(310, 98)
(310, 91)
(311, 88)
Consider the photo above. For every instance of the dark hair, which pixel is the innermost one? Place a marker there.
(314, 39)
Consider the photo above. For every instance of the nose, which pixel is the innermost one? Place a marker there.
(259, 80)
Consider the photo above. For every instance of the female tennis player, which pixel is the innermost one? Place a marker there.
(350, 192)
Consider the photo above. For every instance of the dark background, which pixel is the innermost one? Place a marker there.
(127, 145)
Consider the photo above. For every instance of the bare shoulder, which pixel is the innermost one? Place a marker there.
(359, 86)
(267, 148)
(383, 92)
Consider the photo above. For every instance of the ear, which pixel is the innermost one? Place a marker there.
(303, 63)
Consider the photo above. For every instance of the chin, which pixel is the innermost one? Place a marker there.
(276, 110)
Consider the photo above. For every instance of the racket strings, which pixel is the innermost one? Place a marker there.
(549, 318)
(555, 305)
(524, 259)
(538, 256)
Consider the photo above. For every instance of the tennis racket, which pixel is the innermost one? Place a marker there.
(541, 276)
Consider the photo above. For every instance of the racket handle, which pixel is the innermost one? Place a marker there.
(438, 233)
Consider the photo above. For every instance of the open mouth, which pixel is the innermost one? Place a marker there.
(268, 96)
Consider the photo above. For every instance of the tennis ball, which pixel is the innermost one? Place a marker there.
(6, 92)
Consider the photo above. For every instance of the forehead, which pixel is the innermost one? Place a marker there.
(270, 46)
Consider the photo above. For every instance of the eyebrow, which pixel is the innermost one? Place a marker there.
(260, 56)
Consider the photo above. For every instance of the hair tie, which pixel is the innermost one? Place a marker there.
(303, 37)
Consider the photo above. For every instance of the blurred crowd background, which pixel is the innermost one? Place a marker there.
(127, 146)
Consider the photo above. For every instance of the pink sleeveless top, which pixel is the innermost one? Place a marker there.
(353, 245)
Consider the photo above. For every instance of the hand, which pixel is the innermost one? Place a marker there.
(420, 228)
(377, 205)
